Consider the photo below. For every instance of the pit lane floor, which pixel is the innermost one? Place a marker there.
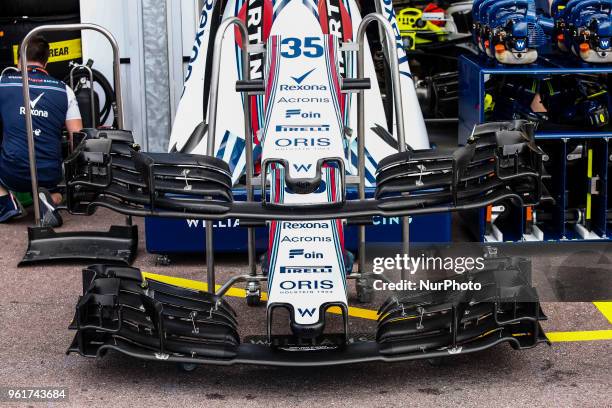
(37, 304)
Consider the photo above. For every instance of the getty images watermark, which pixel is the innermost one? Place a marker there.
(411, 265)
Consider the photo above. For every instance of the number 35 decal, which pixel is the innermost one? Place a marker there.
(292, 47)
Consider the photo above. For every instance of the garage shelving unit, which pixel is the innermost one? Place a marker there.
(572, 179)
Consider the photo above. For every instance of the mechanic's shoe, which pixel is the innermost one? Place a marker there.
(48, 213)
(9, 208)
(23, 212)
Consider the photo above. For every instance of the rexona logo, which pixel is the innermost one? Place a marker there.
(298, 80)
(302, 128)
(305, 269)
(292, 113)
(294, 253)
(299, 86)
(302, 225)
(195, 52)
(35, 112)
(303, 87)
(307, 285)
(303, 142)
(389, 13)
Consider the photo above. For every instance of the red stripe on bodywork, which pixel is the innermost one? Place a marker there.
(268, 19)
(242, 16)
(334, 70)
(345, 19)
(323, 16)
(347, 23)
(340, 227)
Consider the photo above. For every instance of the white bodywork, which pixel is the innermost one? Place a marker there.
(288, 17)
(306, 258)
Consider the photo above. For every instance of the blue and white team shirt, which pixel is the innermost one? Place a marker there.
(52, 103)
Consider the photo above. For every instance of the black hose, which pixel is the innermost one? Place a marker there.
(100, 79)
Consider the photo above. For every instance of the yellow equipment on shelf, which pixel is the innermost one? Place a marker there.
(414, 25)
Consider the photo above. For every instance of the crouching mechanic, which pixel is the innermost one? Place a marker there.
(53, 106)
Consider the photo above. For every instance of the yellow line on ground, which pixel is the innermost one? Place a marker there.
(555, 337)
(357, 312)
(605, 308)
(190, 284)
(241, 293)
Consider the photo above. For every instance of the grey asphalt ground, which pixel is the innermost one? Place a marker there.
(36, 306)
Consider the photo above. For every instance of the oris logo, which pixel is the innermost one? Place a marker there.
(303, 142)
(307, 285)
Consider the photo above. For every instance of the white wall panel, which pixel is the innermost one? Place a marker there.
(123, 18)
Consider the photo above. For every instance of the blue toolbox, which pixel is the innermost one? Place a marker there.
(174, 236)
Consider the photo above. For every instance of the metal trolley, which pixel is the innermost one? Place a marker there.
(120, 242)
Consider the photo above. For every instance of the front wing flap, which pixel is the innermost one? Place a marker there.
(152, 320)
(500, 162)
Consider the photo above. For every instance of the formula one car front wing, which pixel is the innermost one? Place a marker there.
(144, 318)
(500, 162)
(149, 319)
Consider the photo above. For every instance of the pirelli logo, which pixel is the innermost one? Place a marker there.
(60, 50)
